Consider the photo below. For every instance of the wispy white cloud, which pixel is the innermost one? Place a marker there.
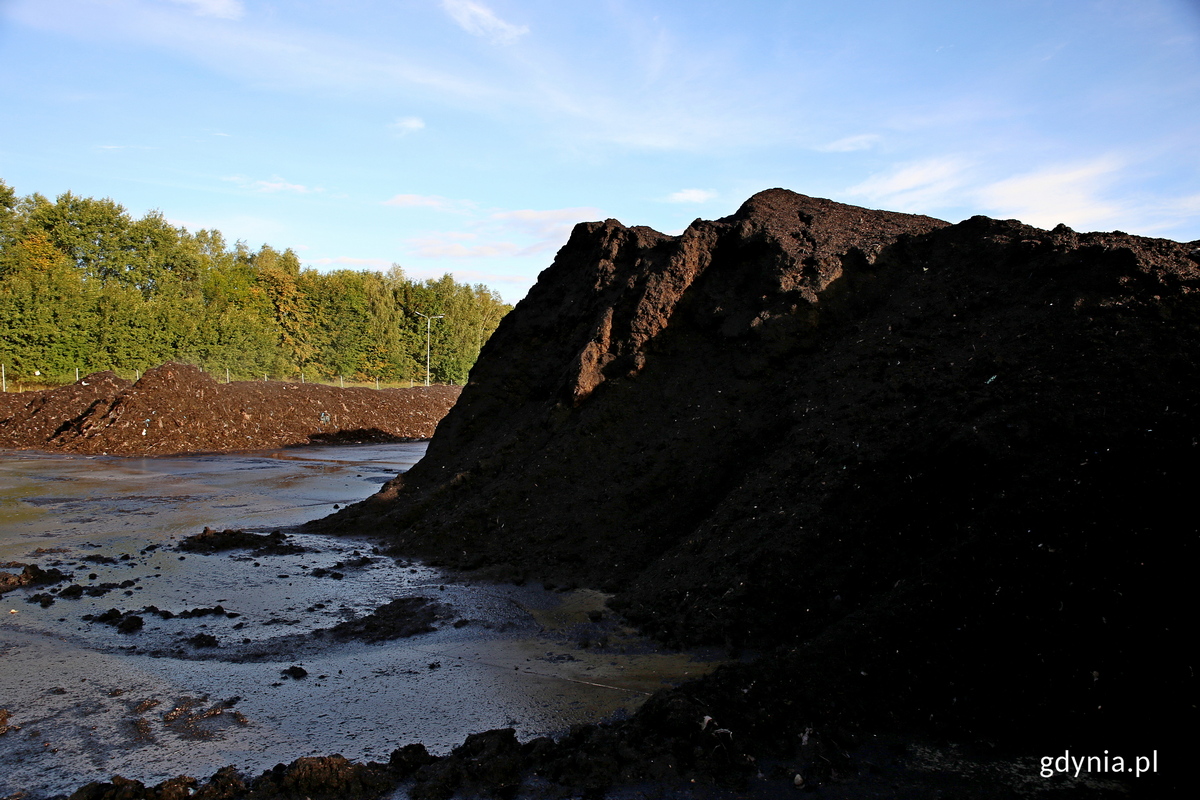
(1088, 194)
(479, 20)
(551, 224)
(498, 234)
(917, 186)
(263, 50)
(350, 262)
(1172, 212)
(1069, 193)
(406, 125)
(222, 9)
(849, 144)
(457, 244)
(271, 185)
(247, 227)
(691, 196)
(436, 202)
(689, 105)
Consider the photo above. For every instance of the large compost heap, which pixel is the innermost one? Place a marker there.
(939, 474)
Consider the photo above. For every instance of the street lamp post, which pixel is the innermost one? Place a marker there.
(428, 322)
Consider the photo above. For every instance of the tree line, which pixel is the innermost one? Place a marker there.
(84, 285)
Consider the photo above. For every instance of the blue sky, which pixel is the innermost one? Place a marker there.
(468, 136)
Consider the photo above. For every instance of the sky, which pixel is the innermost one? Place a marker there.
(469, 136)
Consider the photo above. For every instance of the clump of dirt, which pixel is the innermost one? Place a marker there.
(940, 473)
(123, 621)
(203, 640)
(30, 575)
(177, 408)
(210, 541)
(407, 616)
(190, 613)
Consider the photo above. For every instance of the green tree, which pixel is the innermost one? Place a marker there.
(84, 285)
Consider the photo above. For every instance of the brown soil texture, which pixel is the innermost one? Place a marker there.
(939, 475)
(177, 408)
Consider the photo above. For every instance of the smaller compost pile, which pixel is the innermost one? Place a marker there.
(178, 408)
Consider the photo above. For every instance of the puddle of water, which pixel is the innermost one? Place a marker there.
(89, 702)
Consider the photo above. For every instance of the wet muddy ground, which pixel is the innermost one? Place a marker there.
(245, 656)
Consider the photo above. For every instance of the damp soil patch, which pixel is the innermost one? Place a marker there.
(402, 618)
(213, 541)
(399, 619)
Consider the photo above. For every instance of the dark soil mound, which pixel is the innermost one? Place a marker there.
(942, 472)
(177, 408)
